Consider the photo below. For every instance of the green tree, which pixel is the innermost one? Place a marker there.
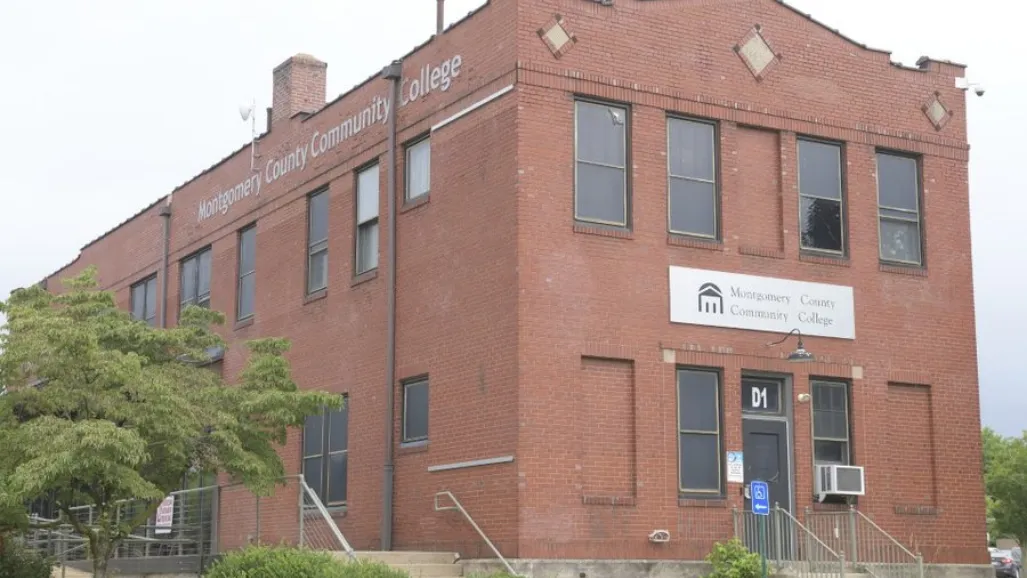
(1005, 479)
(100, 408)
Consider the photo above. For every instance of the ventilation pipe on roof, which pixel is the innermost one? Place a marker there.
(440, 17)
(165, 213)
(393, 73)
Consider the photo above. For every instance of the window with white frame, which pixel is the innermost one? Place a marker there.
(247, 286)
(601, 163)
(898, 207)
(830, 422)
(317, 241)
(692, 177)
(367, 220)
(418, 169)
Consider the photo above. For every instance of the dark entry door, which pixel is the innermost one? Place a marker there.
(765, 458)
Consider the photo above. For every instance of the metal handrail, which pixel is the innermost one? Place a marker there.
(324, 513)
(460, 508)
(881, 530)
(809, 533)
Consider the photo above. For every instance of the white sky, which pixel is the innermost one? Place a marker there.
(107, 105)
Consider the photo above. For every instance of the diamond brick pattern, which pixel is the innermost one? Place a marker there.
(557, 37)
(937, 112)
(757, 54)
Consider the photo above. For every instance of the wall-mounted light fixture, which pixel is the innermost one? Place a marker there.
(800, 354)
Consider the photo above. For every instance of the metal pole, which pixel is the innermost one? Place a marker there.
(763, 544)
(302, 502)
(853, 544)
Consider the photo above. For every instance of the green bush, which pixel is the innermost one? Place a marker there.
(286, 562)
(732, 559)
(16, 561)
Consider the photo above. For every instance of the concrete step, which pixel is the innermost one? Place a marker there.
(406, 558)
(431, 570)
(70, 573)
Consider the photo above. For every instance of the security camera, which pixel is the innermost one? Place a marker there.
(979, 90)
(964, 84)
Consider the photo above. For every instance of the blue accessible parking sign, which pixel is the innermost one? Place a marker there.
(760, 498)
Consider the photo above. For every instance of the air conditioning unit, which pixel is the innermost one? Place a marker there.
(839, 480)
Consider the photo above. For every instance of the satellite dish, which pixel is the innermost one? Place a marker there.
(245, 111)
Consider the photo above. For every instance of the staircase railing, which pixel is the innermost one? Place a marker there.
(788, 544)
(460, 508)
(867, 544)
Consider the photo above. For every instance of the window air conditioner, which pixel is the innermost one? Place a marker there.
(838, 480)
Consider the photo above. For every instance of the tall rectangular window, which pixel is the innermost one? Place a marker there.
(144, 300)
(326, 454)
(830, 422)
(317, 241)
(367, 220)
(418, 165)
(601, 163)
(821, 203)
(898, 208)
(247, 272)
(196, 280)
(699, 437)
(692, 176)
(415, 410)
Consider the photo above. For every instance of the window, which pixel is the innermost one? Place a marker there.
(367, 219)
(326, 454)
(820, 197)
(600, 171)
(247, 272)
(196, 280)
(415, 410)
(317, 242)
(699, 441)
(144, 300)
(418, 177)
(898, 202)
(692, 186)
(830, 422)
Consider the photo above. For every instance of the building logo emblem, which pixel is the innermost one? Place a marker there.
(710, 299)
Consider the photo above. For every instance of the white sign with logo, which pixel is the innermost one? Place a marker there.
(735, 469)
(719, 299)
(165, 515)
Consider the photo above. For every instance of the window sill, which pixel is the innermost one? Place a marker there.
(243, 323)
(333, 511)
(686, 501)
(417, 447)
(767, 252)
(603, 231)
(316, 296)
(902, 269)
(364, 277)
(410, 205)
(825, 259)
(694, 242)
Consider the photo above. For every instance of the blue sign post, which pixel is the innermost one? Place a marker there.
(760, 496)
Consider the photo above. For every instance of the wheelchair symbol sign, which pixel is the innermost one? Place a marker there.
(760, 498)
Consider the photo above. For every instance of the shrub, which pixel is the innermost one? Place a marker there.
(732, 559)
(16, 561)
(286, 562)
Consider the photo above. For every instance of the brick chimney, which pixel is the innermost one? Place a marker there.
(299, 87)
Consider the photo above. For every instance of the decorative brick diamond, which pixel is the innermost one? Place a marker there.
(756, 53)
(556, 36)
(937, 112)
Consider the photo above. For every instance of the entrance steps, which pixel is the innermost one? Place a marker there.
(417, 564)
(69, 572)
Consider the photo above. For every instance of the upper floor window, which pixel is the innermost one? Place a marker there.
(601, 163)
(317, 241)
(830, 422)
(418, 165)
(326, 454)
(367, 220)
(196, 279)
(692, 186)
(821, 203)
(898, 208)
(144, 300)
(699, 435)
(247, 272)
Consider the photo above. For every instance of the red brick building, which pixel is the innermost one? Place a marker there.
(578, 186)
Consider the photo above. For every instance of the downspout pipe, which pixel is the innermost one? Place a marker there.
(165, 213)
(393, 73)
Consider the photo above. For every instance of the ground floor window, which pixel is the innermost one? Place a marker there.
(326, 454)
(830, 422)
(699, 432)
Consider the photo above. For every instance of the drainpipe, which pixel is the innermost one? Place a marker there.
(165, 213)
(393, 73)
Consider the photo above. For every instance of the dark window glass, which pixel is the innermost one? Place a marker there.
(820, 197)
(898, 199)
(326, 454)
(600, 189)
(196, 280)
(830, 422)
(415, 411)
(144, 300)
(317, 242)
(367, 220)
(692, 186)
(699, 439)
(247, 273)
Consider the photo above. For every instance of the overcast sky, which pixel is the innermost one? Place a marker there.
(107, 105)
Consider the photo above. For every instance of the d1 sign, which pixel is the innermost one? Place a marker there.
(719, 299)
